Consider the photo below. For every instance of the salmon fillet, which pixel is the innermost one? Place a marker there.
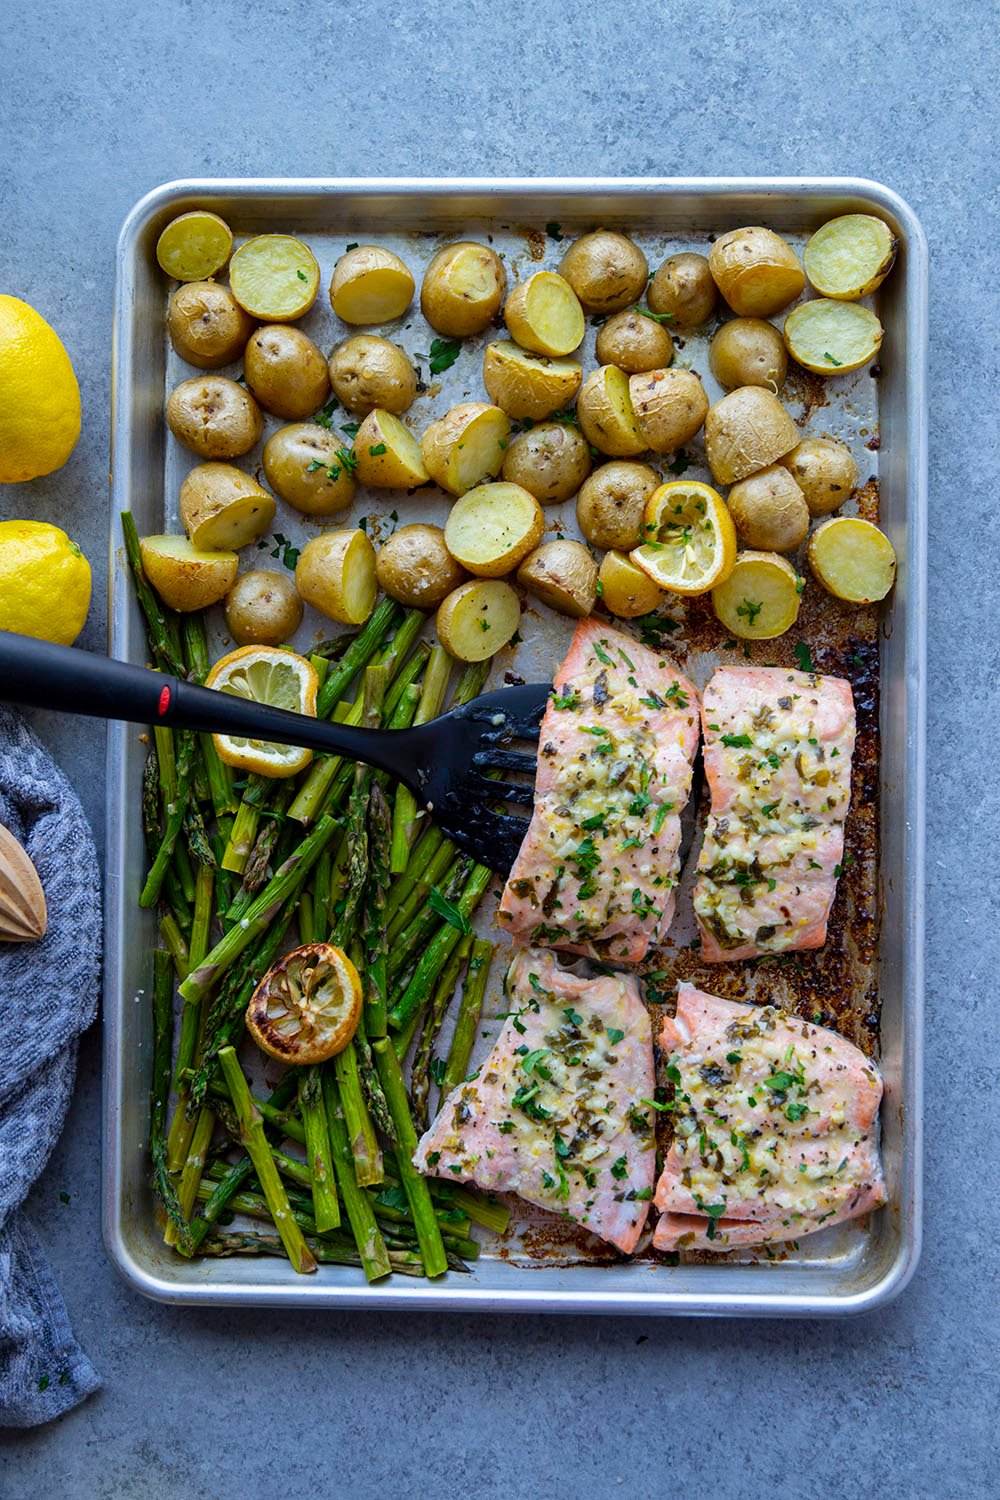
(775, 1122)
(558, 1113)
(777, 747)
(598, 866)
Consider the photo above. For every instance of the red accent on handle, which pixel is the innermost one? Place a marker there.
(164, 703)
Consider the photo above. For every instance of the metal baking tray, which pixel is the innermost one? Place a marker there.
(847, 1270)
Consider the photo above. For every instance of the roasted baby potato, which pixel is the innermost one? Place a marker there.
(544, 315)
(214, 417)
(611, 504)
(529, 386)
(824, 471)
(286, 372)
(463, 289)
(335, 573)
(756, 271)
(194, 245)
(604, 410)
(769, 511)
(683, 289)
(263, 608)
(850, 257)
(563, 575)
(370, 285)
(832, 338)
(492, 528)
(747, 431)
(275, 277)
(550, 461)
(748, 351)
(207, 326)
(625, 590)
(388, 455)
(760, 598)
(415, 567)
(852, 559)
(670, 406)
(367, 371)
(308, 468)
(222, 509)
(185, 577)
(634, 342)
(466, 446)
(477, 619)
(606, 270)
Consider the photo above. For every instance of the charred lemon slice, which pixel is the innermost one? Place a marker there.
(690, 542)
(306, 1008)
(281, 679)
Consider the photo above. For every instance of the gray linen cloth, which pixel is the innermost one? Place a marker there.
(48, 996)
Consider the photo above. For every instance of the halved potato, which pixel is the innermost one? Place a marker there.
(607, 420)
(388, 455)
(207, 325)
(286, 372)
(850, 257)
(770, 511)
(463, 288)
(611, 505)
(824, 471)
(335, 573)
(544, 315)
(367, 371)
(415, 567)
(214, 417)
(529, 386)
(184, 576)
(626, 590)
(606, 270)
(263, 608)
(563, 575)
(832, 338)
(852, 559)
(371, 285)
(194, 245)
(670, 406)
(756, 271)
(308, 468)
(222, 509)
(748, 351)
(466, 446)
(551, 460)
(634, 342)
(274, 277)
(746, 431)
(477, 619)
(760, 598)
(492, 528)
(683, 290)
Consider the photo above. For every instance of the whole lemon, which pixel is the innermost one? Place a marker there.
(44, 582)
(39, 396)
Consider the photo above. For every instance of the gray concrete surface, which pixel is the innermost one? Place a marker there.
(99, 103)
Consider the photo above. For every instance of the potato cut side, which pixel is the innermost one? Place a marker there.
(544, 315)
(466, 446)
(760, 598)
(462, 289)
(274, 277)
(185, 577)
(371, 285)
(335, 573)
(388, 455)
(756, 271)
(222, 509)
(625, 590)
(852, 559)
(492, 528)
(563, 575)
(478, 619)
(194, 246)
(607, 419)
(832, 338)
(850, 257)
(529, 386)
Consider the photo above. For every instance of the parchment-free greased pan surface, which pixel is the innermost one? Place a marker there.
(869, 981)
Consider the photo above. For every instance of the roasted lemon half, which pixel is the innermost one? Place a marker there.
(306, 1008)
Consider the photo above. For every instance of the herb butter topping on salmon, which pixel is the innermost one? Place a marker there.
(559, 1113)
(598, 866)
(775, 1127)
(778, 747)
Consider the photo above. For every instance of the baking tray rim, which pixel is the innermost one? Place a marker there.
(430, 1297)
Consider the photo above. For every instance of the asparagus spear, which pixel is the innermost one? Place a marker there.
(404, 813)
(367, 1235)
(326, 1210)
(437, 951)
(358, 654)
(406, 1262)
(255, 1143)
(175, 943)
(413, 940)
(421, 1207)
(244, 829)
(420, 1077)
(161, 623)
(373, 927)
(470, 1010)
(368, 1167)
(175, 821)
(163, 995)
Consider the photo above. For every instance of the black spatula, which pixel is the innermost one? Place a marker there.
(450, 764)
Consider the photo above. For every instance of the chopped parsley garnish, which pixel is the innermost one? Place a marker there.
(619, 1168)
(737, 741)
(769, 809)
(796, 1109)
(804, 657)
(324, 418)
(442, 356)
(573, 1016)
(570, 699)
(451, 913)
(615, 1036)
(831, 361)
(749, 609)
(661, 815)
(301, 274)
(289, 555)
(436, 1070)
(350, 429)
(680, 464)
(433, 1158)
(602, 655)
(377, 450)
(734, 1057)
(660, 318)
